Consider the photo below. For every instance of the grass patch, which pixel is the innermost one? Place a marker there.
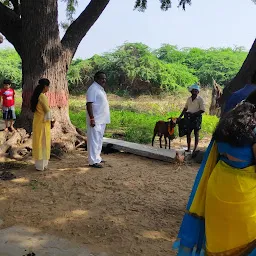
(138, 127)
(78, 119)
(134, 119)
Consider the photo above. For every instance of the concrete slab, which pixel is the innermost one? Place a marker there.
(167, 155)
(21, 240)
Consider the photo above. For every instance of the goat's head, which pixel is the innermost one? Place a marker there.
(173, 121)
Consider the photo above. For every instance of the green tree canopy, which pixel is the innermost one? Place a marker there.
(222, 64)
(10, 63)
(134, 68)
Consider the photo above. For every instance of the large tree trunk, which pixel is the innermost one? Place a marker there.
(57, 96)
(44, 56)
(32, 27)
(216, 95)
(243, 76)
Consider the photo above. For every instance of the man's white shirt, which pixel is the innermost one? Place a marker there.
(195, 105)
(100, 107)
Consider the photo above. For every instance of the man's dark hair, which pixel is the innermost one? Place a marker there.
(236, 126)
(97, 75)
(7, 81)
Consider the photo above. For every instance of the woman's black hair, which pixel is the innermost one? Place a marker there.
(38, 90)
(236, 126)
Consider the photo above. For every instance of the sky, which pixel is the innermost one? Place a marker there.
(206, 23)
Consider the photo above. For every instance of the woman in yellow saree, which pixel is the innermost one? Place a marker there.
(221, 212)
(41, 137)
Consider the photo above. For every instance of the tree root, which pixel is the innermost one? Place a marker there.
(17, 145)
(80, 144)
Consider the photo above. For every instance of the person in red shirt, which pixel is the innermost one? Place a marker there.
(7, 95)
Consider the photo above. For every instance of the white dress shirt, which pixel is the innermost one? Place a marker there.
(100, 107)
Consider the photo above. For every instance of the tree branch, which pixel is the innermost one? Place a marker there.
(16, 6)
(79, 28)
(243, 76)
(10, 26)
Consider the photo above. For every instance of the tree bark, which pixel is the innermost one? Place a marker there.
(216, 95)
(243, 76)
(32, 27)
(79, 28)
(10, 26)
(43, 56)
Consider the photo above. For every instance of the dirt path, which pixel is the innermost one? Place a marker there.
(133, 206)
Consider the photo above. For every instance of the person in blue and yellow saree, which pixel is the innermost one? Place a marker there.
(221, 211)
(41, 137)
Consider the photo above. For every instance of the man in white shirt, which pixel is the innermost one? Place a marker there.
(97, 116)
(192, 112)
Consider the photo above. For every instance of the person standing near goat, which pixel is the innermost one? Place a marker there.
(97, 116)
(192, 112)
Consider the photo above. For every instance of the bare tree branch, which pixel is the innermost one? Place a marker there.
(79, 28)
(10, 26)
(243, 76)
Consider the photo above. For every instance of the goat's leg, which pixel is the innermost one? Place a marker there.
(153, 139)
(169, 143)
(160, 140)
(165, 140)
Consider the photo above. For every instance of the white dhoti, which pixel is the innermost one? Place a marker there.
(94, 142)
(41, 165)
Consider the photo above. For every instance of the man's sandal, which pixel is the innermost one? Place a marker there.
(96, 165)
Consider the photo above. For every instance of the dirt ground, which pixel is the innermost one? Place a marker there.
(133, 206)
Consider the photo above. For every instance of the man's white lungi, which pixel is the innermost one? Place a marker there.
(94, 142)
(97, 96)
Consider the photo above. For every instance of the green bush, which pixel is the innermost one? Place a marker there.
(222, 64)
(134, 68)
(10, 63)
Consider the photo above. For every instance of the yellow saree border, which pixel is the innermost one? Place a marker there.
(195, 215)
(244, 250)
(198, 205)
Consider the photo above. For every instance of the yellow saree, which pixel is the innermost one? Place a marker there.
(221, 212)
(230, 210)
(41, 137)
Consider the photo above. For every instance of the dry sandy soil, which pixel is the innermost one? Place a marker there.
(134, 206)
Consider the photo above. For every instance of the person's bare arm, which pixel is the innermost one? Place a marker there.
(90, 113)
(183, 112)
